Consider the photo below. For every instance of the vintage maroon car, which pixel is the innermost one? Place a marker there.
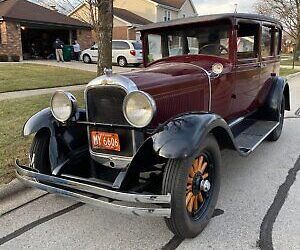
(148, 142)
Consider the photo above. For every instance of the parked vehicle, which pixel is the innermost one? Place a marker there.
(124, 52)
(153, 137)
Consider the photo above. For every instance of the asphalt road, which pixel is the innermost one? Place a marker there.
(258, 205)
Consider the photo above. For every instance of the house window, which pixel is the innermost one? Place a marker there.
(167, 16)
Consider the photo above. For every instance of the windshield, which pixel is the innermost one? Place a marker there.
(212, 40)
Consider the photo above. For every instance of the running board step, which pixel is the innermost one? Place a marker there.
(253, 135)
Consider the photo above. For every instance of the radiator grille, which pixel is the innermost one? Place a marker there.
(105, 105)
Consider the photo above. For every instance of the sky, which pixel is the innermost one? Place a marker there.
(223, 6)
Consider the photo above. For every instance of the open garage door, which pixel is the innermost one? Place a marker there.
(37, 42)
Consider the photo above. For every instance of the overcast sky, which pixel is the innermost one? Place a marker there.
(223, 6)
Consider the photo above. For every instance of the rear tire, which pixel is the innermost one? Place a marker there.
(122, 62)
(177, 177)
(39, 153)
(275, 135)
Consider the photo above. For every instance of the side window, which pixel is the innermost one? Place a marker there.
(277, 43)
(120, 45)
(155, 46)
(266, 43)
(247, 41)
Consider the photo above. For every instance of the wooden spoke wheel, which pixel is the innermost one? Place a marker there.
(198, 185)
(194, 187)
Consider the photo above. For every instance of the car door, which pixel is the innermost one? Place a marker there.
(270, 58)
(94, 53)
(114, 52)
(247, 69)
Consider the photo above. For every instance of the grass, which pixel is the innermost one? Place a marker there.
(287, 71)
(289, 62)
(14, 114)
(23, 76)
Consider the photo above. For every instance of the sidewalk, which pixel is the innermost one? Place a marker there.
(76, 65)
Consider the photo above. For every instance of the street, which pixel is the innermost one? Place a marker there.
(258, 205)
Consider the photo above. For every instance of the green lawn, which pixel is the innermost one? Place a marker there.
(287, 71)
(289, 62)
(31, 76)
(14, 114)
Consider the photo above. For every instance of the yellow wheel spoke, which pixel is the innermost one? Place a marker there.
(195, 204)
(190, 204)
(205, 176)
(188, 197)
(200, 163)
(203, 167)
(200, 197)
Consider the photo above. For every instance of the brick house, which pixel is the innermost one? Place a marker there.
(28, 30)
(129, 15)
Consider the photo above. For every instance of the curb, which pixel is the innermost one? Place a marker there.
(15, 186)
(292, 75)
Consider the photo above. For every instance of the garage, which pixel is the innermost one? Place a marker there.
(37, 42)
(28, 30)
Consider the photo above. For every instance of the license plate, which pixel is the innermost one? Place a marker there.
(103, 140)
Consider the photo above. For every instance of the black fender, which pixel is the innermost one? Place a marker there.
(181, 137)
(63, 138)
(279, 88)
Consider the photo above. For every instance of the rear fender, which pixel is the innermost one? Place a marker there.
(279, 88)
(63, 138)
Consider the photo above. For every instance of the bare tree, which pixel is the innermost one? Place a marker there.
(287, 11)
(102, 20)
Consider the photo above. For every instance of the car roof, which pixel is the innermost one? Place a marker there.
(120, 40)
(208, 18)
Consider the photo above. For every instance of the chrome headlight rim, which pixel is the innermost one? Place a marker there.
(151, 102)
(72, 101)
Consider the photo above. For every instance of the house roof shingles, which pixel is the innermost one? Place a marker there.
(26, 11)
(172, 3)
(130, 17)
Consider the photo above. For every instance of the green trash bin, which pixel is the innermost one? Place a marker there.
(67, 52)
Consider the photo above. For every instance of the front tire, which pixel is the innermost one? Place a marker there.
(39, 152)
(194, 190)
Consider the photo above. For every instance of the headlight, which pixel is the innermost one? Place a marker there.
(63, 105)
(139, 108)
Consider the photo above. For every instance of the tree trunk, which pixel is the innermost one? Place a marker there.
(104, 34)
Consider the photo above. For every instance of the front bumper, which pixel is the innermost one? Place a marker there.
(144, 205)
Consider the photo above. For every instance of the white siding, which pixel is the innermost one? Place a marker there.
(161, 14)
(186, 10)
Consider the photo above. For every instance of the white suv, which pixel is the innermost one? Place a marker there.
(124, 52)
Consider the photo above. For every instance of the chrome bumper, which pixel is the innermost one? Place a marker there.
(145, 204)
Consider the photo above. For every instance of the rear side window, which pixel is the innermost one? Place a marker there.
(137, 45)
(266, 43)
(120, 45)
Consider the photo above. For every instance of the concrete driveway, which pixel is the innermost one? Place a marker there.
(258, 205)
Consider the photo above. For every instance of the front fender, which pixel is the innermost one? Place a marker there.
(63, 138)
(181, 137)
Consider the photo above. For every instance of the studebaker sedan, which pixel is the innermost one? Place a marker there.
(148, 142)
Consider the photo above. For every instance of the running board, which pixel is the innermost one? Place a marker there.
(254, 133)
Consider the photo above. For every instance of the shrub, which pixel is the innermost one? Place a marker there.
(3, 58)
(15, 58)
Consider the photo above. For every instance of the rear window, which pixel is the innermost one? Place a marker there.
(137, 45)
